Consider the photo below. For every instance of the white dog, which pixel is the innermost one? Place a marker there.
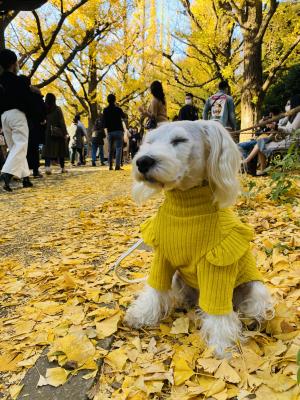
(189, 159)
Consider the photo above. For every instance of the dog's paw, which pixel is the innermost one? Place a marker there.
(132, 319)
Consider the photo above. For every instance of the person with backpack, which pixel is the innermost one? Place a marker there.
(14, 106)
(98, 137)
(220, 107)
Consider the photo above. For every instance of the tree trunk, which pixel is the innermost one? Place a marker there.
(251, 99)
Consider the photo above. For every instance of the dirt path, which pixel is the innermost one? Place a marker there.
(59, 295)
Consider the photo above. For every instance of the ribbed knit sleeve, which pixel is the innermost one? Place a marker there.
(161, 273)
(216, 287)
(147, 231)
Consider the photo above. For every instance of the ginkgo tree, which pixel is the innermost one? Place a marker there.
(248, 42)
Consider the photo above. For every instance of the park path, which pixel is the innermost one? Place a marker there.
(61, 332)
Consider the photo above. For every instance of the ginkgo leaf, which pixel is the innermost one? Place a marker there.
(108, 326)
(42, 381)
(180, 325)
(117, 359)
(56, 376)
(182, 372)
(77, 348)
(209, 365)
(226, 372)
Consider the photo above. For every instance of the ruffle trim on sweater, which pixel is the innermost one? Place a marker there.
(232, 247)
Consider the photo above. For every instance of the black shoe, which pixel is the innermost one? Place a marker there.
(119, 169)
(103, 163)
(94, 164)
(37, 175)
(6, 178)
(27, 183)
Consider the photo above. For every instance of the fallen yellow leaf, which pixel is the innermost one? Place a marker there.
(108, 326)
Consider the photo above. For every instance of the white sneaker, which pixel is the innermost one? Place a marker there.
(48, 171)
(261, 173)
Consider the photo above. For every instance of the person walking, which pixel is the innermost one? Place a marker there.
(188, 112)
(98, 137)
(56, 135)
(78, 141)
(134, 142)
(220, 107)
(14, 105)
(156, 113)
(36, 124)
(113, 121)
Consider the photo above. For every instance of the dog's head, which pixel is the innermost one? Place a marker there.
(181, 155)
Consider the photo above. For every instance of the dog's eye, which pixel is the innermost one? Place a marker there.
(177, 141)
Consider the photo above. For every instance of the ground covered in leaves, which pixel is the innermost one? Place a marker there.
(58, 243)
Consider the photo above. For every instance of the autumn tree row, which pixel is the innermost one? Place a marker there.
(83, 49)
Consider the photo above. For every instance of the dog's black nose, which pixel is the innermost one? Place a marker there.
(145, 163)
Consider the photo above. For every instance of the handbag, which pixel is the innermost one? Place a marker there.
(151, 123)
(56, 132)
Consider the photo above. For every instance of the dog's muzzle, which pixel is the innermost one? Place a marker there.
(145, 163)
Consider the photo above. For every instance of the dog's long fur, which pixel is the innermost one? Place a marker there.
(187, 154)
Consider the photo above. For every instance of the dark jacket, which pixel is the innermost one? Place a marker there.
(14, 94)
(112, 118)
(37, 117)
(98, 134)
(188, 113)
(55, 147)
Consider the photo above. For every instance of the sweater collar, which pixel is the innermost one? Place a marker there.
(195, 201)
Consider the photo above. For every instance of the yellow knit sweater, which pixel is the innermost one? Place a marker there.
(209, 246)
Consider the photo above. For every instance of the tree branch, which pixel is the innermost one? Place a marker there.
(39, 28)
(262, 30)
(187, 5)
(74, 92)
(89, 37)
(56, 31)
(273, 71)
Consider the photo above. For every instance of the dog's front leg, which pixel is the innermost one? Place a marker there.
(221, 332)
(149, 308)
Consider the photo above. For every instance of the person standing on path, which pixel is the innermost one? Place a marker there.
(78, 141)
(14, 105)
(56, 135)
(113, 121)
(188, 112)
(220, 107)
(98, 137)
(156, 113)
(36, 124)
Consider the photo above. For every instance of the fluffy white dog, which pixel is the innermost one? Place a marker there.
(189, 159)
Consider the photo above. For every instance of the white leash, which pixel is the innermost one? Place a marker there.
(117, 265)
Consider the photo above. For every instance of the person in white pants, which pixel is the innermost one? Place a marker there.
(14, 103)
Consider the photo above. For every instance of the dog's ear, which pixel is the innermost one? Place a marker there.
(223, 164)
